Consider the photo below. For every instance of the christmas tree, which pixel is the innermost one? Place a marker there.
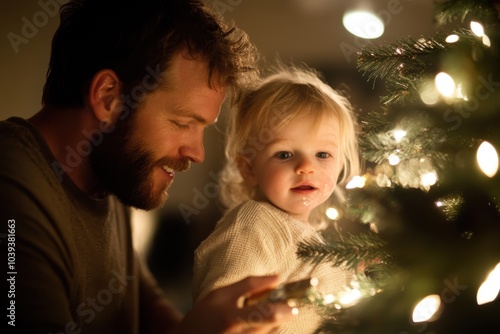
(429, 258)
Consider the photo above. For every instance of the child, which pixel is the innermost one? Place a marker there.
(290, 142)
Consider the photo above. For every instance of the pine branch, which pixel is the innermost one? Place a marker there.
(450, 10)
(387, 60)
(403, 64)
(422, 139)
(401, 91)
(374, 122)
(351, 251)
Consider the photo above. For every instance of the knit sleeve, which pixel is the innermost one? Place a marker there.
(245, 243)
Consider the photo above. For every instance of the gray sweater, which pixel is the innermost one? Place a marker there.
(75, 269)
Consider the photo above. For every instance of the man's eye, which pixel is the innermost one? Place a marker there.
(283, 155)
(322, 155)
(180, 125)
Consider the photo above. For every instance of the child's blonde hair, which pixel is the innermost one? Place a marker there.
(289, 93)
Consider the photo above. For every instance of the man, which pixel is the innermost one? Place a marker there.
(130, 89)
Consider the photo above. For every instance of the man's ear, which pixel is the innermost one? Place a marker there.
(104, 96)
(246, 170)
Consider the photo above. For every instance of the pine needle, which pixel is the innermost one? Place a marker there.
(353, 249)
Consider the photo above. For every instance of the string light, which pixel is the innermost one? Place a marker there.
(452, 38)
(332, 213)
(487, 159)
(399, 135)
(428, 179)
(486, 41)
(363, 24)
(350, 297)
(477, 28)
(427, 309)
(328, 299)
(488, 291)
(429, 93)
(356, 182)
(445, 84)
(393, 159)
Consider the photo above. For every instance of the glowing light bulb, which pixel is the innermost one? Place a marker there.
(452, 38)
(426, 309)
(328, 299)
(488, 291)
(363, 24)
(356, 182)
(477, 28)
(487, 159)
(428, 179)
(486, 40)
(445, 84)
(399, 134)
(429, 94)
(332, 213)
(350, 297)
(393, 159)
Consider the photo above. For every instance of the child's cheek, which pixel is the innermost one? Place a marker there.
(328, 187)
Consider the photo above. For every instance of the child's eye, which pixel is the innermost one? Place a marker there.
(322, 155)
(283, 155)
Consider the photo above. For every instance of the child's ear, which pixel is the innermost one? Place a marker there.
(104, 96)
(246, 170)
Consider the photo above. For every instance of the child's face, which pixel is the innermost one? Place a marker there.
(299, 168)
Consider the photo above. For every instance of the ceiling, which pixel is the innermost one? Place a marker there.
(311, 31)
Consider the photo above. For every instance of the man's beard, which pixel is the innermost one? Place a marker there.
(125, 168)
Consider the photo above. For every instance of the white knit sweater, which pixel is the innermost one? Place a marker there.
(255, 239)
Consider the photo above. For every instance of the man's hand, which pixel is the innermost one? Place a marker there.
(219, 311)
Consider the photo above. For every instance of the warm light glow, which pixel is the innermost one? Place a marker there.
(295, 311)
(487, 159)
(363, 24)
(445, 84)
(429, 94)
(426, 309)
(356, 182)
(383, 180)
(477, 28)
(350, 297)
(486, 40)
(314, 281)
(399, 134)
(143, 225)
(488, 291)
(428, 179)
(452, 38)
(328, 299)
(459, 92)
(332, 213)
(393, 159)
(439, 204)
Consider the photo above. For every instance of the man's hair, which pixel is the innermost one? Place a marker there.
(132, 36)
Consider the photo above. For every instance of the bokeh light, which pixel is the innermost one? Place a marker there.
(363, 24)
(477, 28)
(487, 159)
(445, 84)
(426, 309)
(488, 291)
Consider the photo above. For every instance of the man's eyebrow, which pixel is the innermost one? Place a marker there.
(189, 114)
